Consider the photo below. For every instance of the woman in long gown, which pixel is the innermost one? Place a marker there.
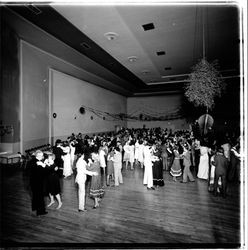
(157, 167)
(203, 169)
(132, 152)
(67, 170)
(136, 151)
(176, 170)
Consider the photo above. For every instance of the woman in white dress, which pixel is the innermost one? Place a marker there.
(72, 153)
(126, 157)
(136, 151)
(148, 173)
(131, 148)
(67, 170)
(203, 170)
(141, 153)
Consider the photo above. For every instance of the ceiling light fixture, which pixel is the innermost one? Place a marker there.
(111, 35)
(161, 53)
(132, 59)
(148, 26)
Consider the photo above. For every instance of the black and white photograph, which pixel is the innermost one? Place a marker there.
(123, 125)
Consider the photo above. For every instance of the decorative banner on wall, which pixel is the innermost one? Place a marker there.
(138, 115)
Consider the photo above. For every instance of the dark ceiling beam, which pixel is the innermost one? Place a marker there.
(55, 24)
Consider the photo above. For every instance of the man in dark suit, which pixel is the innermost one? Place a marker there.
(221, 164)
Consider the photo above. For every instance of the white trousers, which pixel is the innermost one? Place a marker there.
(81, 195)
(118, 175)
(148, 175)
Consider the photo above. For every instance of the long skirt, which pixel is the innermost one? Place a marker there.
(176, 168)
(96, 190)
(67, 170)
(158, 173)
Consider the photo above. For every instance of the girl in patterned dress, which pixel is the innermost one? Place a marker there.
(176, 170)
(96, 190)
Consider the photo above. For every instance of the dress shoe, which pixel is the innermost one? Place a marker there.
(183, 182)
(151, 188)
(80, 210)
(42, 213)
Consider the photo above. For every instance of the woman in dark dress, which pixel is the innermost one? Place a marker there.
(37, 178)
(52, 182)
(157, 167)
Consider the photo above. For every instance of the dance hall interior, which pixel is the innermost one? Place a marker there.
(123, 125)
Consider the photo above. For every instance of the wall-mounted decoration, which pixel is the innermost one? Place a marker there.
(82, 110)
(54, 115)
(144, 114)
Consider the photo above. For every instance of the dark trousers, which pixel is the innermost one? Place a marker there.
(223, 182)
(197, 160)
(38, 202)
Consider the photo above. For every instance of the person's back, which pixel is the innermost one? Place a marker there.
(117, 159)
(221, 164)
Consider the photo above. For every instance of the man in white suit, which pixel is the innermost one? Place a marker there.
(80, 180)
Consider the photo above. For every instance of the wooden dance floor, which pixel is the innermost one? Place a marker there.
(174, 215)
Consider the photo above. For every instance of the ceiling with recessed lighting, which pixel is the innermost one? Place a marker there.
(151, 48)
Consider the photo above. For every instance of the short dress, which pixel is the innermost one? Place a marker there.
(176, 167)
(96, 190)
(126, 156)
(52, 183)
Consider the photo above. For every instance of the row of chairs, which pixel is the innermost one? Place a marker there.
(29, 153)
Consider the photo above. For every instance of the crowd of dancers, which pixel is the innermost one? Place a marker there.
(155, 150)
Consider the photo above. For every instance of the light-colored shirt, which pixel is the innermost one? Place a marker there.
(82, 171)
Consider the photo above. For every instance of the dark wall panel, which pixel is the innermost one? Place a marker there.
(10, 87)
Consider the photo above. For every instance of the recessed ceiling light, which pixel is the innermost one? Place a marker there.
(161, 53)
(148, 26)
(111, 35)
(132, 58)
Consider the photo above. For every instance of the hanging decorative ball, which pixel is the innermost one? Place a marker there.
(54, 115)
(103, 118)
(91, 117)
(82, 110)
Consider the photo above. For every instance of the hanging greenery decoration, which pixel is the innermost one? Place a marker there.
(205, 84)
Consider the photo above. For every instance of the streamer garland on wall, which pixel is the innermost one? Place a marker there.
(137, 115)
